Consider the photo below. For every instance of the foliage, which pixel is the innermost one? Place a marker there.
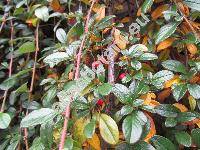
(74, 76)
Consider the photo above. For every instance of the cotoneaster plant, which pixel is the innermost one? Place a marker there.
(74, 77)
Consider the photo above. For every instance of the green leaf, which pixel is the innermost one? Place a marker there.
(89, 129)
(125, 110)
(170, 122)
(194, 4)
(183, 138)
(4, 120)
(27, 47)
(162, 143)
(8, 83)
(132, 126)
(69, 144)
(179, 91)
(61, 35)
(186, 116)
(55, 58)
(121, 92)
(161, 77)
(143, 146)
(42, 13)
(148, 56)
(196, 136)
(37, 144)
(166, 31)
(105, 22)
(146, 5)
(137, 50)
(174, 65)
(194, 90)
(167, 110)
(104, 89)
(108, 129)
(36, 117)
(136, 65)
(49, 96)
(46, 135)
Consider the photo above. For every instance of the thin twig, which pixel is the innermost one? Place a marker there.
(77, 70)
(187, 21)
(3, 21)
(10, 63)
(32, 80)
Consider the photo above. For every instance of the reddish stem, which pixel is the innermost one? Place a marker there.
(32, 80)
(10, 63)
(77, 70)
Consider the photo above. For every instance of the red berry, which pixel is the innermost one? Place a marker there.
(96, 65)
(100, 102)
(121, 76)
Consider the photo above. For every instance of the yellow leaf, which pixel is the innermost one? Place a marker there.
(159, 11)
(108, 129)
(192, 48)
(149, 99)
(145, 40)
(119, 39)
(32, 21)
(181, 107)
(165, 44)
(101, 13)
(152, 131)
(192, 102)
(95, 142)
(174, 80)
(78, 132)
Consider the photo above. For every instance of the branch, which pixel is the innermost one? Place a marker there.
(32, 80)
(187, 21)
(10, 63)
(77, 70)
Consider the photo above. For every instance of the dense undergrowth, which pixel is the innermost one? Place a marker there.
(100, 74)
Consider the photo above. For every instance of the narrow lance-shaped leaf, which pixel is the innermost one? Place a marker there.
(166, 31)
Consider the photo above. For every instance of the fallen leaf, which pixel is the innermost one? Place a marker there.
(94, 142)
(125, 20)
(192, 48)
(174, 80)
(165, 44)
(101, 13)
(164, 94)
(158, 12)
(119, 39)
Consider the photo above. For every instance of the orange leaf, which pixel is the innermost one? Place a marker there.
(152, 131)
(125, 20)
(184, 9)
(158, 11)
(181, 107)
(174, 80)
(139, 12)
(165, 44)
(94, 142)
(192, 48)
(55, 5)
(101, 13)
